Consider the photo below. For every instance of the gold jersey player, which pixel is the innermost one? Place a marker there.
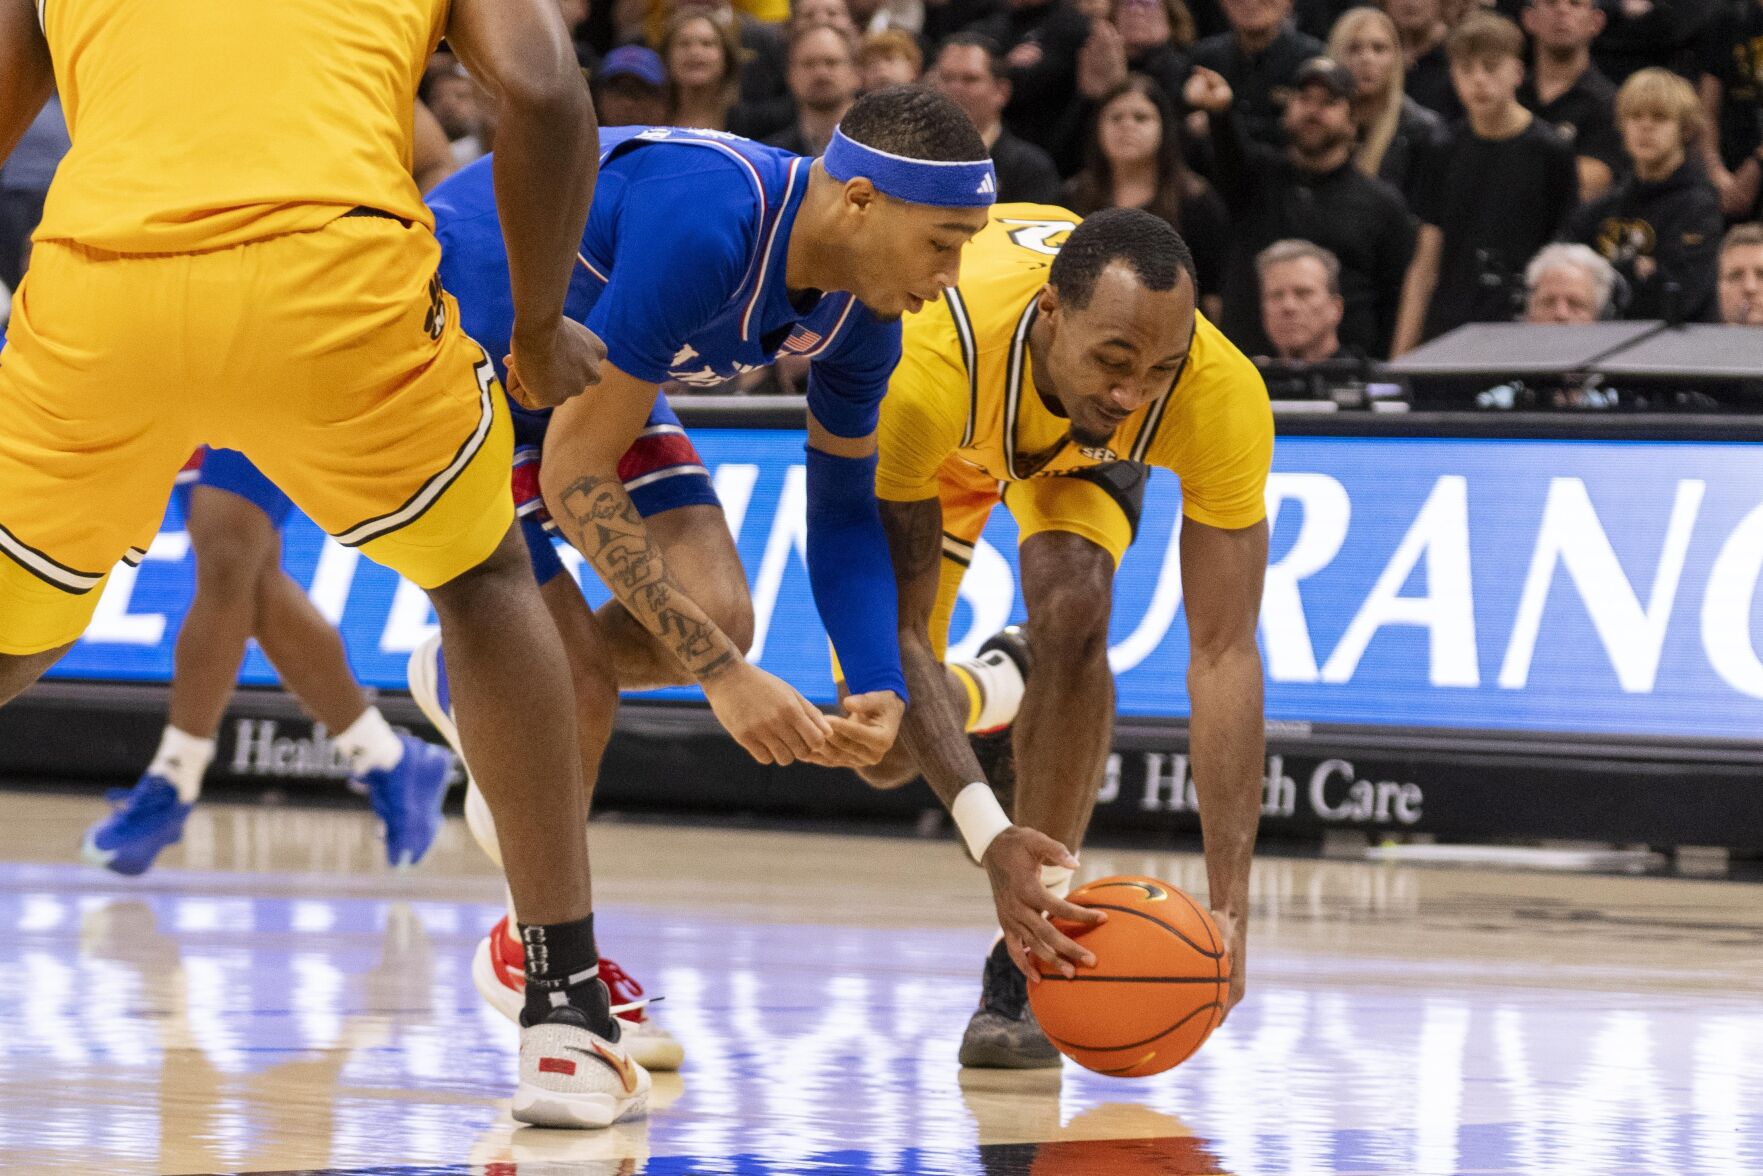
(234, 254)
(1068, 359)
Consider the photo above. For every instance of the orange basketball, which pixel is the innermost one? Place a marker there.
(1158, 988)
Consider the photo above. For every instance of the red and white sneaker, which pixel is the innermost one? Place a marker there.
(572, 1077)
(498, 969)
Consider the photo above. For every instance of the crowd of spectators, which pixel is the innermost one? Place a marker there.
(1401, 169)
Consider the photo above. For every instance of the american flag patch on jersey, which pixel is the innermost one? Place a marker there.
(801, 339)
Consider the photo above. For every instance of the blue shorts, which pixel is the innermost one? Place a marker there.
(661, 471)
(232, 471)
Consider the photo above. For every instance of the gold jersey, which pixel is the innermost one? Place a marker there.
(202, 124)
(964, 391)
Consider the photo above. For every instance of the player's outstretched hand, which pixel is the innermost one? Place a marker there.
(1013, 862)
(861, 736)
(545, 374)
(765, 714)
(1235, 930)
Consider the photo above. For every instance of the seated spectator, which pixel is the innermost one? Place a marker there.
(968, 72)
(1421, 26)
(1731, 83)
(1311, 191)
(1660, 226)
(1570, 93)
(1134, 160)
(703, 62)
(1569, 284)
(455, 101)
(1741, 276)
(889, 58)
(1566, 285)
(1501, 188)
(823, 83)
(630, 88)
(1301, 305)
(1396, 133)
(1258, 58)
(24, 186)
(1040, 41)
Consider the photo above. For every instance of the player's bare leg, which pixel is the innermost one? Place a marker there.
(509, 679)
(234, 543)
(19, 670)
(1066, 723)
(1061, 737)
(307, 651)
(241, 592)
(607, 651)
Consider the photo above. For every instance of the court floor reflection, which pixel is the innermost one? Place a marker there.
(236, 1012)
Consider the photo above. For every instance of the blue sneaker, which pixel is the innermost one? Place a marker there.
(145, 819)
(408, 799)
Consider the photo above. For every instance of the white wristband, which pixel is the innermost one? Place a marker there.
(979, 816)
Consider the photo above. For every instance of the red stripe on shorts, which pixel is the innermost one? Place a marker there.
(658, 452)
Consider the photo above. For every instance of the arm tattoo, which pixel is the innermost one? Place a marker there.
(604, 525)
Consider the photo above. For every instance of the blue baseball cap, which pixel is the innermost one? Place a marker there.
(634, 61)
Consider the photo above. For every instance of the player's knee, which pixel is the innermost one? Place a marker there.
(1068, 620)
(229, 564)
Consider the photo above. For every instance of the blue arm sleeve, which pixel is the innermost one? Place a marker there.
(852, 573)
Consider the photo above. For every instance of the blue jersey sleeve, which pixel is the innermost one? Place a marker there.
(846, 385)
(678, 238)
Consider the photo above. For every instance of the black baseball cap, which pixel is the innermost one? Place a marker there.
(1328, 73)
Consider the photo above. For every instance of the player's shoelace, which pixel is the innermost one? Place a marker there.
(626, 993)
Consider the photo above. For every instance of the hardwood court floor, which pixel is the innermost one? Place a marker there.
(272, 999)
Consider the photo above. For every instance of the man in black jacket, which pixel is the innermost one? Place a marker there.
(968, 72)
(1310, 192)
(1257, 58)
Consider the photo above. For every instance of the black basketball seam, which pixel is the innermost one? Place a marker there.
(1205, 921)
(1214, 955)
(1205, 1008)
(1059, 979)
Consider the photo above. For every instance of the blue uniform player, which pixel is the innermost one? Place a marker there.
(705, 257)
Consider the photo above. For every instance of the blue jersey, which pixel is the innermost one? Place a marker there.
(681, 271)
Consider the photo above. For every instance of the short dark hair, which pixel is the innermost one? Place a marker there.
(915, 123)
(1155, 252)
(994, 58)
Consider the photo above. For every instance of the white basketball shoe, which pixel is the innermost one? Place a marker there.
(572, 1077)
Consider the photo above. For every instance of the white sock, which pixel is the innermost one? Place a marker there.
(370, 743)
(183, 759)
(999, 685)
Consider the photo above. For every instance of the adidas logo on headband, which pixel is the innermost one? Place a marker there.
(941, 183)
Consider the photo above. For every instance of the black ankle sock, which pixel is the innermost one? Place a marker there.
(561, 961)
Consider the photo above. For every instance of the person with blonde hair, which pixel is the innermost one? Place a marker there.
(1395, 132)
(1659, 226)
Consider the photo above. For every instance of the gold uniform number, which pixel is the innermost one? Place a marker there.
(1040, 236)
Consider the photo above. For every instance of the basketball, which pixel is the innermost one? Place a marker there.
(1158, 988)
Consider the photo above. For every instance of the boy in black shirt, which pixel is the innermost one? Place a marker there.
(1502, 186)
